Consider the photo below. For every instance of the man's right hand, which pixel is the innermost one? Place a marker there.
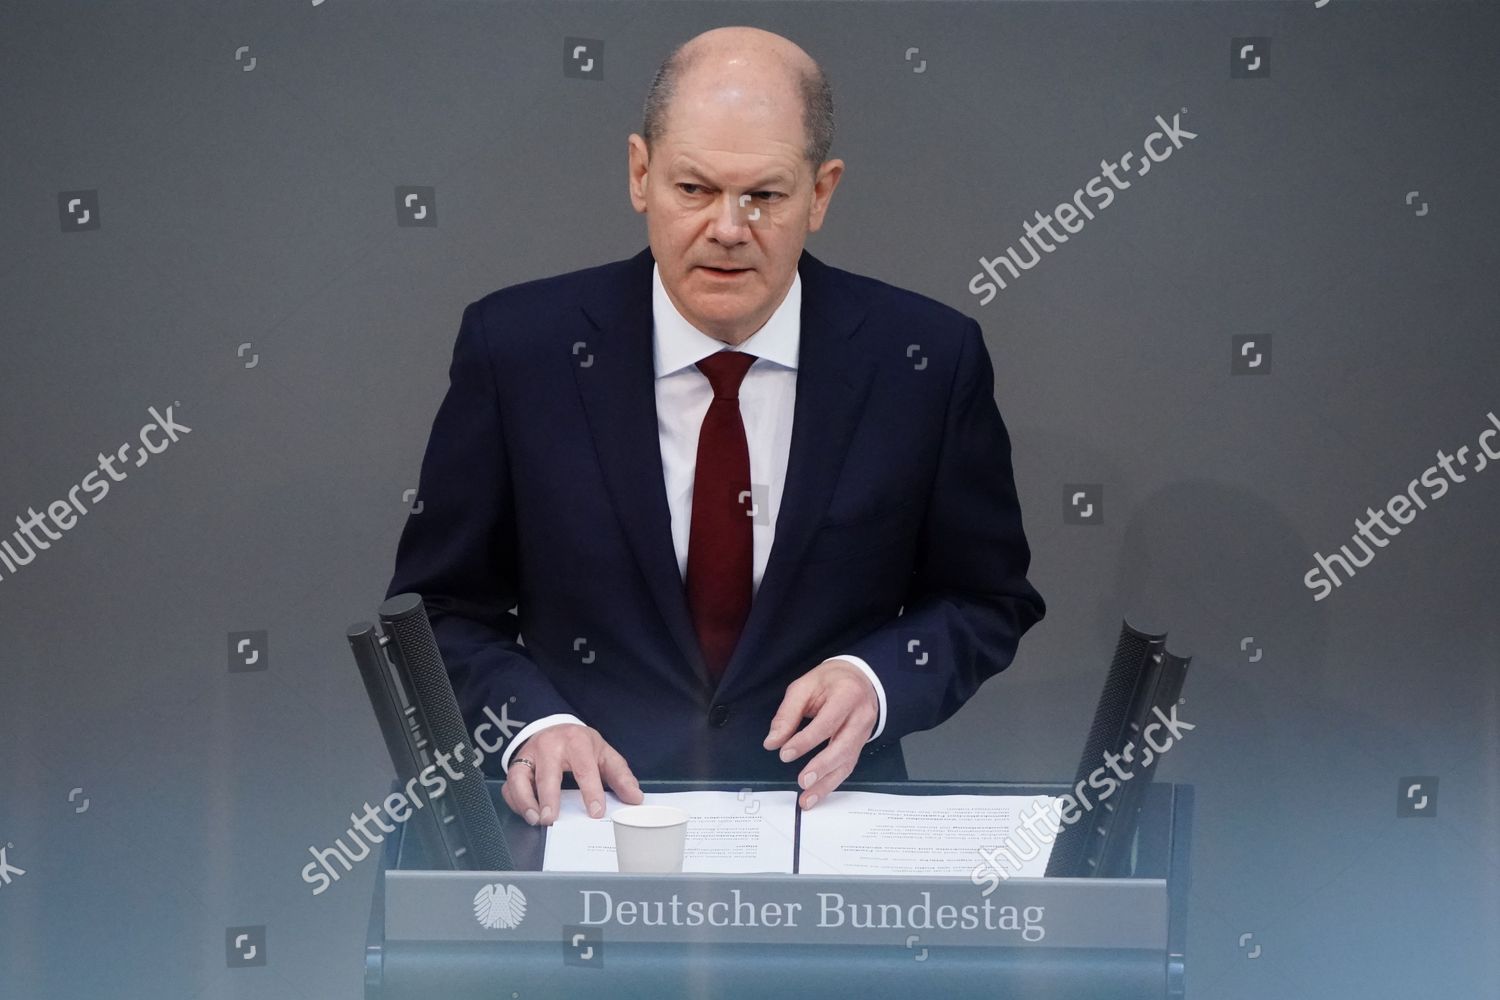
(535, 793)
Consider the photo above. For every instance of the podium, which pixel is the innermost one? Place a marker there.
(529, 934)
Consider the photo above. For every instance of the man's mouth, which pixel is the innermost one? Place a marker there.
(724, 271)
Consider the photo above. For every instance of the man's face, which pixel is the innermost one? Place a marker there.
(729, 199)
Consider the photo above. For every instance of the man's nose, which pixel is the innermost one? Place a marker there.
(731, 221)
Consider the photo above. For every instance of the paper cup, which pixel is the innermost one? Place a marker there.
(650, 838)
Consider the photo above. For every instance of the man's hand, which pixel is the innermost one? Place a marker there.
(842, 705)
(536, 793)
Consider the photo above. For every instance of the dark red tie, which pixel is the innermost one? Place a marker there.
(720, 549)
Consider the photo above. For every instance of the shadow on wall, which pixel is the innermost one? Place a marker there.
(1290, 773)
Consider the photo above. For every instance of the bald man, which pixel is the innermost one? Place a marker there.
(718, 511)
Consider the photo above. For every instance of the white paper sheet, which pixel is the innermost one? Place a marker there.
(728, 832)
(872, 833)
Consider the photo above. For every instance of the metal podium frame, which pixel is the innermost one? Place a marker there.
(1121, 937)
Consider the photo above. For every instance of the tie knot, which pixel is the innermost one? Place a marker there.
(725, 371)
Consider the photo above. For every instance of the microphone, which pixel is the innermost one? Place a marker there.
(414, 704)
(1142, 676)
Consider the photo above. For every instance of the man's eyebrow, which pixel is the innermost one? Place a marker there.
(776, 177)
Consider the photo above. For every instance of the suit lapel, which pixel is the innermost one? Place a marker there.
(616, 382)
(833, 379)
(618, 389)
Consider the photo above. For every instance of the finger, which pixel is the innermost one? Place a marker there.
(549, 772)
(834, 763)
(826, 720)
(522, 795)
(845, 744)
(621, 779)
(586, 773)
(788, 716)
(826, 784)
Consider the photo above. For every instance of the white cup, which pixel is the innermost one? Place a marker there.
(650, 838)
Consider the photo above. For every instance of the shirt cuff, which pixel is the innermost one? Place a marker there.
(879, 690)
(532, 728)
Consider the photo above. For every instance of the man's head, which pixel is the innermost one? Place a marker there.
(730, 170)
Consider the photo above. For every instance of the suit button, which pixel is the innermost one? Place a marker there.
(718, 715)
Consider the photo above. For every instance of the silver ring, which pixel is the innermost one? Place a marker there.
(526, 761)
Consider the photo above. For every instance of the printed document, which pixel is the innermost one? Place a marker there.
(727, 832)
(873, 833)
(848, 833)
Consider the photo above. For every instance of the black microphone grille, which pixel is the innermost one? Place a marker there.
(404, 619)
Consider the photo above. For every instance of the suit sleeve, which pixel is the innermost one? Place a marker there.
(459, 551)
(969, 601)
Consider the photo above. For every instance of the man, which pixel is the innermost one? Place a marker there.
(820, 452)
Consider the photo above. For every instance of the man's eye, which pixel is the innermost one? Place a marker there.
(766, 195)
(684, 188)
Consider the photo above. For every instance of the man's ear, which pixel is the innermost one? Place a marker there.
(639, 159)
(823, 185)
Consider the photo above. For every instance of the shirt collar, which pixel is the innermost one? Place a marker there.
(677, 343)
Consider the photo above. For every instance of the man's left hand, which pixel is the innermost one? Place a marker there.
(842, 705)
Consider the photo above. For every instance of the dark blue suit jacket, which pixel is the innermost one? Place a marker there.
(542, 489)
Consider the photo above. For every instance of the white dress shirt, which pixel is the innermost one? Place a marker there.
(683, 393)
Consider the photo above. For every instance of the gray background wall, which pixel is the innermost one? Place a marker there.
(256, 207)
